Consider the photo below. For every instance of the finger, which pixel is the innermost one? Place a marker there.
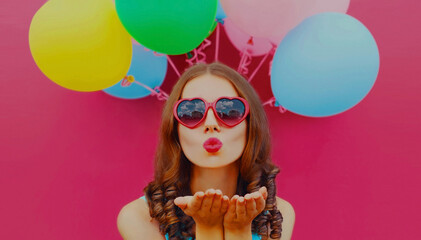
(225, 204)
(232, 205)
(208, 199)
(241, 207)
(250, 205)
(260, 202)
(196, 202)
(181, 202)
(217, 201)
(264, 192)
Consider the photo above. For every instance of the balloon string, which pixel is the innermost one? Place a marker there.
(261, 62)
(273, 103)
(154, 53)
(206, 43)
(173, 66)
(217, 40)
(158, 54)
(245, 58)
(198, 54)
(273, 50)
(161, 95)
(244, 62)
(190, 56)
(242, 54)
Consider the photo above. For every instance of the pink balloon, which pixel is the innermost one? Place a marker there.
(308, 8)
(273, 19)
(241, 40)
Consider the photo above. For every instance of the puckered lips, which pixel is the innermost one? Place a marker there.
(212, 145)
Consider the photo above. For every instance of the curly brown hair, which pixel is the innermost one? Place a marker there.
(172, 168)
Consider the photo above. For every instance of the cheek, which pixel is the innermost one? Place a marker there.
(237, 140)
(188, 141)
(243, 135)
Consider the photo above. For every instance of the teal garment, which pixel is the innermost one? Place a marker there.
(255, 236)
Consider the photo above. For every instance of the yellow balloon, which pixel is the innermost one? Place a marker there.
(80, 44)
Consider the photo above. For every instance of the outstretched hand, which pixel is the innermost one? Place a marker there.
(212, 209)
(207, 209)
(242, 210)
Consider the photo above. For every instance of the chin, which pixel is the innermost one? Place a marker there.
(213, 160)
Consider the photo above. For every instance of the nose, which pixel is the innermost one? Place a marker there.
(211, 123)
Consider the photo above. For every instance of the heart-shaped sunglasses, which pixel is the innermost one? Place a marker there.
(229, 110)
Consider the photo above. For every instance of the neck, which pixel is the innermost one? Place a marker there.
(223, 178)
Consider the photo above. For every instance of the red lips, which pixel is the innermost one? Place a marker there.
(212, 144)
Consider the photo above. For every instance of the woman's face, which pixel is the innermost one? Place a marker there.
(210, 88)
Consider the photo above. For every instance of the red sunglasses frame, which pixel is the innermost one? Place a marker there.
(211, 105)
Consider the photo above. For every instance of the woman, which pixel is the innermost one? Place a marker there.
(213, 175)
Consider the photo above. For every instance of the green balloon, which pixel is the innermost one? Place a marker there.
(168, 26)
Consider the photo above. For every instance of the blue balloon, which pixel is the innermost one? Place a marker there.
(146, 68)
(325, 65)
(220, 14)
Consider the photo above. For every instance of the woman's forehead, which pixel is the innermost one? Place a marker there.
(209, 87)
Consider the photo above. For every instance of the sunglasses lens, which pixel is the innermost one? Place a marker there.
(191, 112)
(230, 111)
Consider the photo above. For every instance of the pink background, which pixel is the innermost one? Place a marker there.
(69, 161)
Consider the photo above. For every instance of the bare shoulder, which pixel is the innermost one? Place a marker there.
(285, 207)
(288, 215)
(135, 223)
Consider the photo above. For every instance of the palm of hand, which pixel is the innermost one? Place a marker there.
(242, 210)
(207, 209)
(212, 209)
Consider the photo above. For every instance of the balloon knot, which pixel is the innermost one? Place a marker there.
(274, 103)
(250, 41)
(130, 78)
(125, 82)
(189, 55)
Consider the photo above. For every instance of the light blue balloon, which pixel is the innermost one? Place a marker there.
(325, 65)
(220, 14)
(146, 68)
